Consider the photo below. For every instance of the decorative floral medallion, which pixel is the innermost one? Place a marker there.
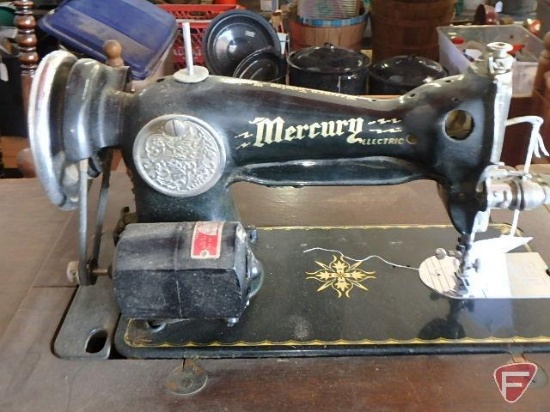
(340, 275)
(179, 155)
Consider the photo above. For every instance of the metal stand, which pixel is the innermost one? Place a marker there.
(88, 329)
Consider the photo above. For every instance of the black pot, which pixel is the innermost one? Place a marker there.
(400, 74)
(329, 68)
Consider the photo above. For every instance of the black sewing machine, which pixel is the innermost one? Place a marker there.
(186, 138)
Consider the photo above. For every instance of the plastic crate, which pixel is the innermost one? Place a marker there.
(199, 17)
(146, 33)
(525, 64)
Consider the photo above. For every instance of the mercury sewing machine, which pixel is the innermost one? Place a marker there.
(185, 270)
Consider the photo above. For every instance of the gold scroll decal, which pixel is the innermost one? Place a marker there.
(341, 276)
(269, 131)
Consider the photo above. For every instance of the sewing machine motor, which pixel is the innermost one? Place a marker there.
(183, 263)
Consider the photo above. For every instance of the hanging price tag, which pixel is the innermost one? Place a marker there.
(4, 76)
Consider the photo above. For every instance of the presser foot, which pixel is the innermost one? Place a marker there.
(490, 273)
(443, 274)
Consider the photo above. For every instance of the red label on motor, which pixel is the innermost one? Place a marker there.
(207, 239)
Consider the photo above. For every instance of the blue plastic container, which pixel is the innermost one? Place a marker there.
(144, 30)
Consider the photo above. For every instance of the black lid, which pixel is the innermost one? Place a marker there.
(411, 71)
(234, 35)
(328, 59)
(265, 65)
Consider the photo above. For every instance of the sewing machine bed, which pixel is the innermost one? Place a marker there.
(323, 303)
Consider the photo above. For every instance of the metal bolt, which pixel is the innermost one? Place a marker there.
(187, 379)
(72, 271)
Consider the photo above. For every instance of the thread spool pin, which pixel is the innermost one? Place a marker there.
(192, 73)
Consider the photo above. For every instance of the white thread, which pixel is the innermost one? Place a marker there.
(536, 143)
(387, 262)
(536, 146)
(514, 225)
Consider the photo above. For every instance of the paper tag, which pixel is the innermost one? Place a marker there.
(520, 276)
(207, 239)
(4, 76)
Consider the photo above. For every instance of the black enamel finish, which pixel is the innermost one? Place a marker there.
(401, 74)
(416, 122)
(397, 314)
(329, 68)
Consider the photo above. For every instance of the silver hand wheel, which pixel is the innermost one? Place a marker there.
(74, 114)
(58, 176)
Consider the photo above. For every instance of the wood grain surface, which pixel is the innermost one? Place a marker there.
(37, 240)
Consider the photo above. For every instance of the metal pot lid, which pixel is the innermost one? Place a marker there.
(264, 65)
(328, 59)
(407, 70)
(232, 36)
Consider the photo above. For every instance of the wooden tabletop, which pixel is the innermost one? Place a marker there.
(37, 241)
